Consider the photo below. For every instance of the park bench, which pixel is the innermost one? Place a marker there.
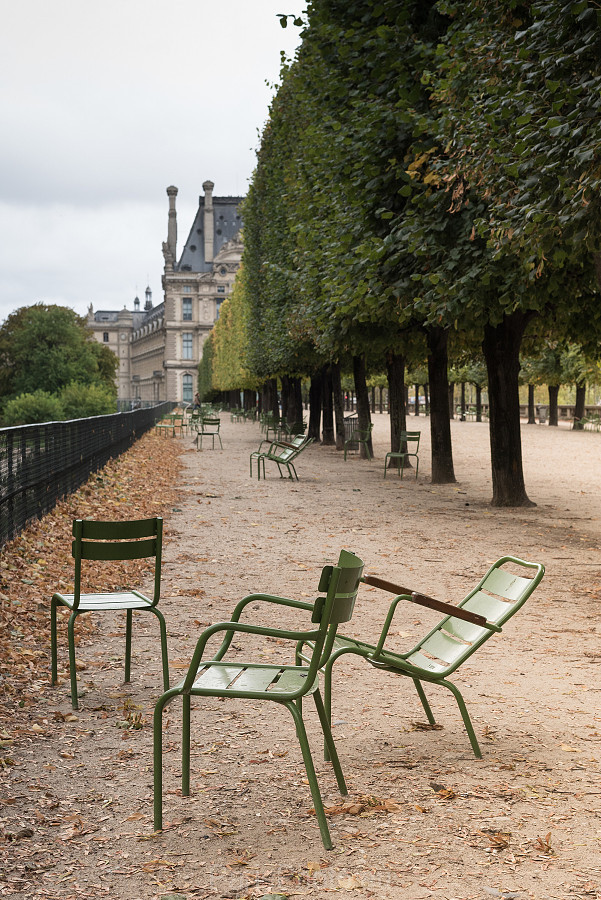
(285, 685)
(283, 453)
(439, 653)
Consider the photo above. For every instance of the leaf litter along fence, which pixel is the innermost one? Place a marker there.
(39, 464)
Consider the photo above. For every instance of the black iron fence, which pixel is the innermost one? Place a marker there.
(39, 464)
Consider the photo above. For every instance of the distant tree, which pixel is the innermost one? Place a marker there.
(80, 401)
(107, 363)
(46, 347)
(26, 409)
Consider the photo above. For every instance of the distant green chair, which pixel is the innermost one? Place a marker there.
(285, 685)
(282, 453)
(360, 437)
(494, 600)
(111, 541)
(209, 428)
(409, 448)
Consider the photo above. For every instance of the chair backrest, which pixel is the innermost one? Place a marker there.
(340, 584)
(112, 541)
(298, 441)
(282, 452)
(211, 423)
(411, 437)
(497, 597)
(362, 434)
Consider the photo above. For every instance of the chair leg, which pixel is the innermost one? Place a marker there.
(424, 701)
(53, 645)
(164, 653)
(72, 669)
(310, 769)
(158, 762)
(329, 740)
(186, 746)
(465, 716)
(128, 622)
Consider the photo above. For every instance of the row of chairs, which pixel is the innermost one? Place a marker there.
(464, 628)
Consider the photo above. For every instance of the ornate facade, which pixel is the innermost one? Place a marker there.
(159, 347)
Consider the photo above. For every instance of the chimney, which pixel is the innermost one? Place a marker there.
(172, 223)
(209, 224)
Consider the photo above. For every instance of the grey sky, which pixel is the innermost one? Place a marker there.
(102, 106)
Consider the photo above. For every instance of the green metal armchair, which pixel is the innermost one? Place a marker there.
(464, 628)
(284, 685)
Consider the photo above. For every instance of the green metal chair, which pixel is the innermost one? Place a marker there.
(494, 600)
(409, 439)
(284, 685)
(282, 453)
(361, 437)
(209, 427)
(111, 541)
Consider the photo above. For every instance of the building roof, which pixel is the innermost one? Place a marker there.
(227, 224)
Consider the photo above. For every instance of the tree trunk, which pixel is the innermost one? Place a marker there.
(285, 397)
(427, 399)
(579, 408)
(395, 369)
(363, 415)
(327, 432)
(531, 411)
(275, 403)
(294, 413)
(315, 400)
(451, 401)
(440, 425)
(416, 399)
(501, 346)
(462, 419)
(553, 395)
(338, 405)
(478, 402)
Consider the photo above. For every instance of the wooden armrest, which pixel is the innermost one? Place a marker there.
(448, 609)
(429, 602)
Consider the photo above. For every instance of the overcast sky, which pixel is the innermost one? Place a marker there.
(103, 105)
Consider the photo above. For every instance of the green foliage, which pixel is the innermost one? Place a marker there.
(79, 401)
(48, 347)
(205, 369)
(229, 341)
(27, 409)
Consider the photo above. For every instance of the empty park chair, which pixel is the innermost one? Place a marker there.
(104, 542)
(361, 438)
(209, 428)
(284, 685)
(437, 655)
(409, 449)
(283, 453)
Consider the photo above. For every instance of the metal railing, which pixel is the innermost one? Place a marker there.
(41, 463)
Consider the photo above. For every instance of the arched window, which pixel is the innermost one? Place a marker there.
(187, 394)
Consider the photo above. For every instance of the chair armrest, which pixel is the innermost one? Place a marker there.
(430, 602)
(237, 627)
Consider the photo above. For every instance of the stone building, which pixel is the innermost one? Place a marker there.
(159, 347)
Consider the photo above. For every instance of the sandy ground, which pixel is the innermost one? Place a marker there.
(523, 822)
